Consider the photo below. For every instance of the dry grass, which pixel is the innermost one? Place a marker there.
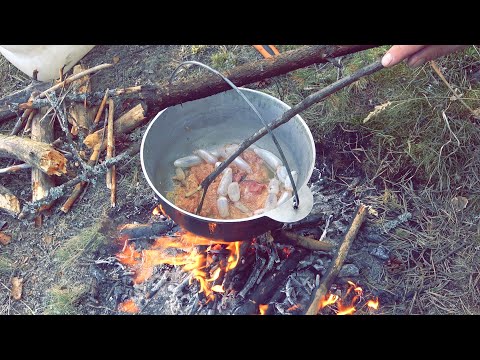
(418, 153)
(6, 265)
(11, 78)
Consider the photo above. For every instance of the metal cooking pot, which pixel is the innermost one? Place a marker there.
(216, 120)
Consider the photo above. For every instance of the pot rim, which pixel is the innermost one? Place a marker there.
(224, 221)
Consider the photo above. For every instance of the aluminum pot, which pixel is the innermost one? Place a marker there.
(216, 120)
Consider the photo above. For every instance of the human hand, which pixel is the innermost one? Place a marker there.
(417, 55)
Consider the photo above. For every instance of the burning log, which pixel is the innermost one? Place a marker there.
(337, 261)
(266, 289)
(42, 130)
(257, 269)
(291, 238)
(38, 154)
(9, 202)
(146, 231)
(124, 124)
(244, 261)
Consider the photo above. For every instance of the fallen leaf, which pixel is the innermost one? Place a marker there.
(476, 113)
(459, 203)
(17, 286)
(372, 211)
(4, 238)
(116, 59)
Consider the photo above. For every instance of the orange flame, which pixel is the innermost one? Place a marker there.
(373, 303)
(349, 310)
(179, 250)
(346, 306)
(332, 299)
(128, 306)
(159, 210)
(218, 288)
(263, 309)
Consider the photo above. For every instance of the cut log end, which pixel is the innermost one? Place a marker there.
(53, 163)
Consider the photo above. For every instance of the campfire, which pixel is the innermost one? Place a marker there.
(263, 275)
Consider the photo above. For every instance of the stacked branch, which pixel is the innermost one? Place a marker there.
(81, 116)
(42, 131)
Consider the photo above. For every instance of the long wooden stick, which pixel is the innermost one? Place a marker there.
(73, 78)
(294, 239)
(337, 261)
(113, 189)
(160, 96)
(100, 108)
(110, 142)
(286, 116)
(14, 168)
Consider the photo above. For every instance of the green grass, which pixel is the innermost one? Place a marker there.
(85, 242)
(5, 265)
(62, 299)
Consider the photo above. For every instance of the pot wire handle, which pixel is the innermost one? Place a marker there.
(296, 201)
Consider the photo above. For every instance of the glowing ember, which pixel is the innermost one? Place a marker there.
(212, 227)
(263, 309)
(373, 303)
(128, 306)
(286, 251)
(293, 308)
(181, 250)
